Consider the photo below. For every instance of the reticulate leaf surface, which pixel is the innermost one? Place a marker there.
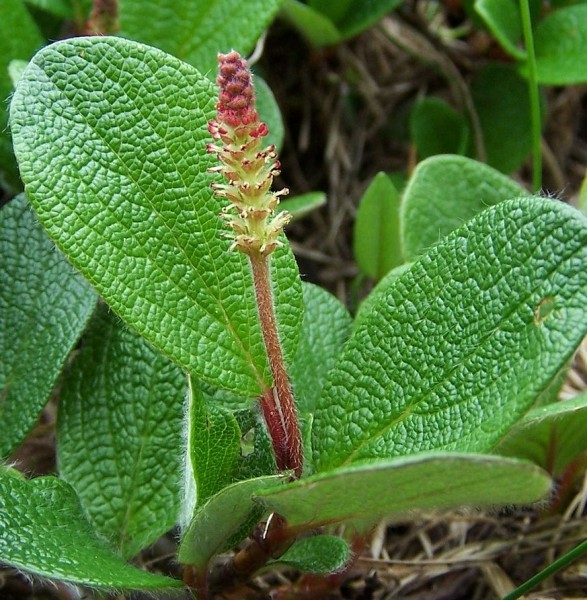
(459, 346)
(316, 554)
(217, 522)
(397, 487)
(443, 193)
(19, 40)
(377, 246)
(326, 328)
(120, 423)
(214, 443)
(44, 308)
(111, 138)
(43, 530)
(550, 436)
(559, 42)
(195, 31)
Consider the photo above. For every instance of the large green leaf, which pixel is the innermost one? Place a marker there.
(19, 39)
(551, 435)
(111, 138)
(120, 423)
(397, 487)
(459, 346)
(443, 193)
(196, 31)
(43, 530)
(326, 328)
(44, 307)
(560, 44)
(376, 245)
(216, 523)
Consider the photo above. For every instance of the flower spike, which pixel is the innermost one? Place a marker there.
(247, 167)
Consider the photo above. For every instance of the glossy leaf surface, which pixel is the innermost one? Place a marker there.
(377, 246)
(395, 488)
(111, 137)
(560, 42)
(461, 344)
(43, 530)
(44, 307)
(120, 422)
(443, 193)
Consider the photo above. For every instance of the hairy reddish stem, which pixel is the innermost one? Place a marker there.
(277, 402)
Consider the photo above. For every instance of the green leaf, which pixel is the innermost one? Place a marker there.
(111, 138)
(43, 530)
(197, 31)
(45, 306)
(317, 28)
(326, 328)
(332, 10)
(119, 424)
(458, 348)
(560, 43)
(397, 487)
(437, 128)
(214, 443)
(551, 436)
(269, 112)
(503, 19)
(502, 103)
(377, 245)
(59, 8)
(216, 523)
(303, 204)
(443, 193)
(362, 14)
(316, 554)
(19, 39)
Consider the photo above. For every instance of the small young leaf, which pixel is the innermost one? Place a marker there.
(443, 193)
(326, 328)
(45, 306)
(119, 424)
(303, 204)
(377, 245)
(437, 128)
(454, 354)
(196, 31)
(551, 436)
(397, 487)
(502, 103)
(214, 443)
(316, 554)
(560, 42)
(43, 530)
(503, 19)
(316, 27)
(111, 138)
(216, 523)
(19, 39)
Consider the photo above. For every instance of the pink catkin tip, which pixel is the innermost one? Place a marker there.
(236, 104)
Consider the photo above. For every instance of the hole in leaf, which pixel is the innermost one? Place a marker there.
(543, 310)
